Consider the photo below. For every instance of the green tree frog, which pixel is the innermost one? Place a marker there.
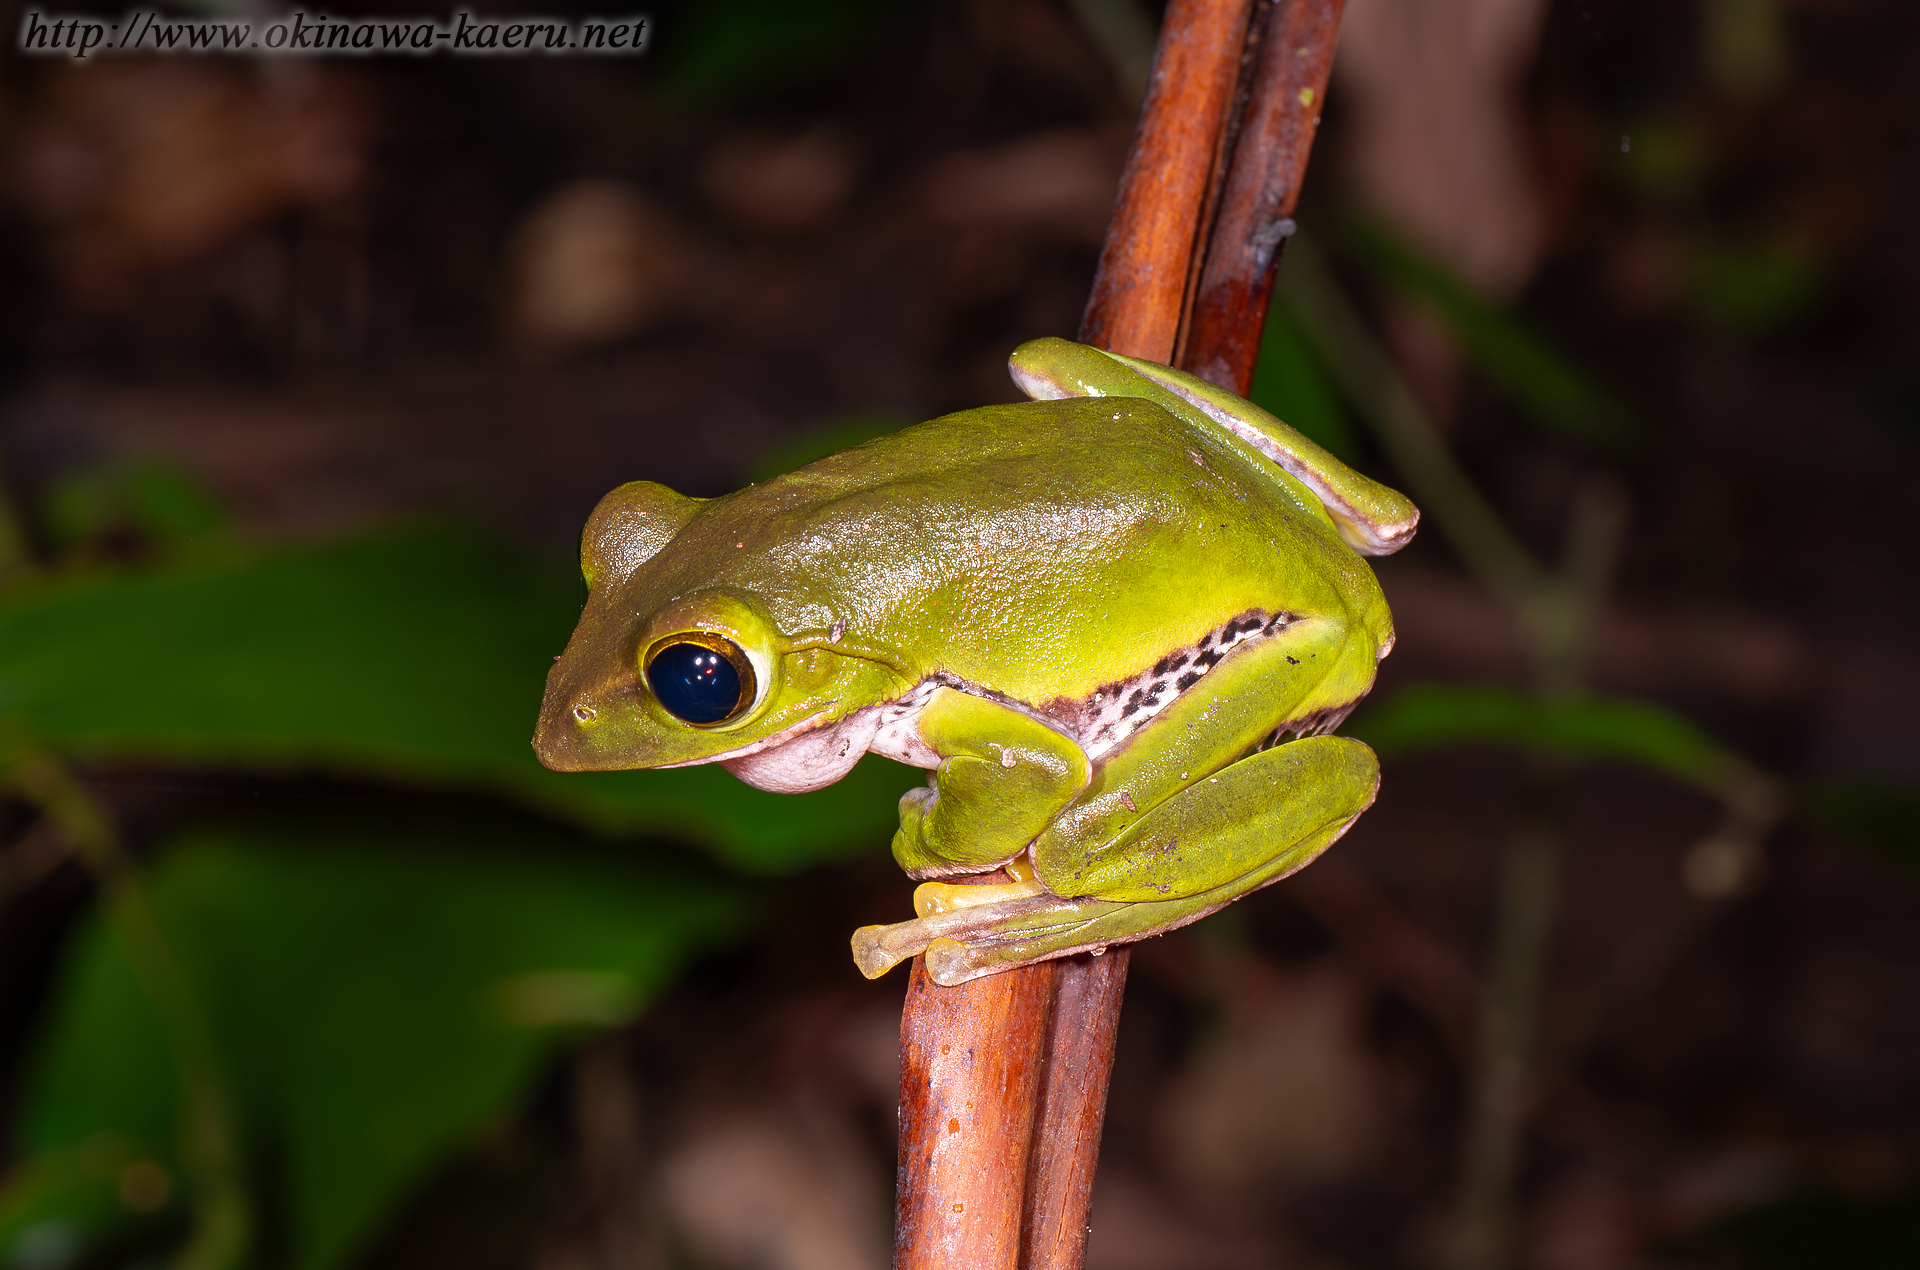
(1118, 622)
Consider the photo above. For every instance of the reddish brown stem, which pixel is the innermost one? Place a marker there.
(1003, 1080)
(970, 1063)
(1140, 289)
(1073, 1109)
(1221, 341)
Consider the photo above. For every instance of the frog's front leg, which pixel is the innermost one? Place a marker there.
(1003, 777)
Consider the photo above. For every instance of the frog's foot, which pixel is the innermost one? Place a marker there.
(970, 931)
(955, 920)
(1002, 934)
(1255, 822)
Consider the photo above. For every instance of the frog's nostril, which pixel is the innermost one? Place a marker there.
(583, 712)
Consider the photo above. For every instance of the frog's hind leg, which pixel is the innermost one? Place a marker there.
(1254, 822)
(1374, 520)
(1302, 677)
(1102, 877)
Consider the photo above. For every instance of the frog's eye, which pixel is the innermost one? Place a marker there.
(700, 677)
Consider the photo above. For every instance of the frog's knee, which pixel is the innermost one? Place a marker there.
(910, 848)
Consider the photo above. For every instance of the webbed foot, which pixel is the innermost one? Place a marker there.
(1253, 823)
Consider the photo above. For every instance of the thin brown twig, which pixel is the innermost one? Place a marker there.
(1221, 338)
(1140, 290)
(1073, 1108)
(970, 1062)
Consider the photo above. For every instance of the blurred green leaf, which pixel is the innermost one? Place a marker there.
(722, 47)
(1433, 716)
(378, 997)
(1750, 289)
(168, 510)
(1290, 382)
(1550, 389)
(63, 1203)
(828, 438)
(1814, 1232)
(1876, 814)
(1664, 157)
(1893, 397)
(415, 656)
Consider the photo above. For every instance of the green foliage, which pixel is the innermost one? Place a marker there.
(1815, 1232)
(378, 996)
(1664, 158)
(61, 1204)
(167, 513)
(723, 48)
(1880, 815)
(1750, 289)
(1289, 382)
(1517, 361)
(1894, 399)
(1433, 715)
(412, 657)
(828, 438)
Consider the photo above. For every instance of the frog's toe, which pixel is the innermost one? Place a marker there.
(878, 949)
(950, 962)
(948, 897)
(1015, 924)
(975, 916)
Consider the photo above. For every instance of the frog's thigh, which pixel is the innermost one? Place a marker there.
(1003, 776)
(1280, 806)
(1308, 667)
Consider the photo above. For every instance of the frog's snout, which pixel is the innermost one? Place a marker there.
(560, 740)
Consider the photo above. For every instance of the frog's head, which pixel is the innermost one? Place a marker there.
(662, 674)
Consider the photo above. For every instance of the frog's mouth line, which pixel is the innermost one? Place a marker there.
(809, 755)
(791, 732)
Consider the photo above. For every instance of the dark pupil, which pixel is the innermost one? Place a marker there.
(694, 683)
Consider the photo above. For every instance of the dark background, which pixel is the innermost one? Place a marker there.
(337, 295)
